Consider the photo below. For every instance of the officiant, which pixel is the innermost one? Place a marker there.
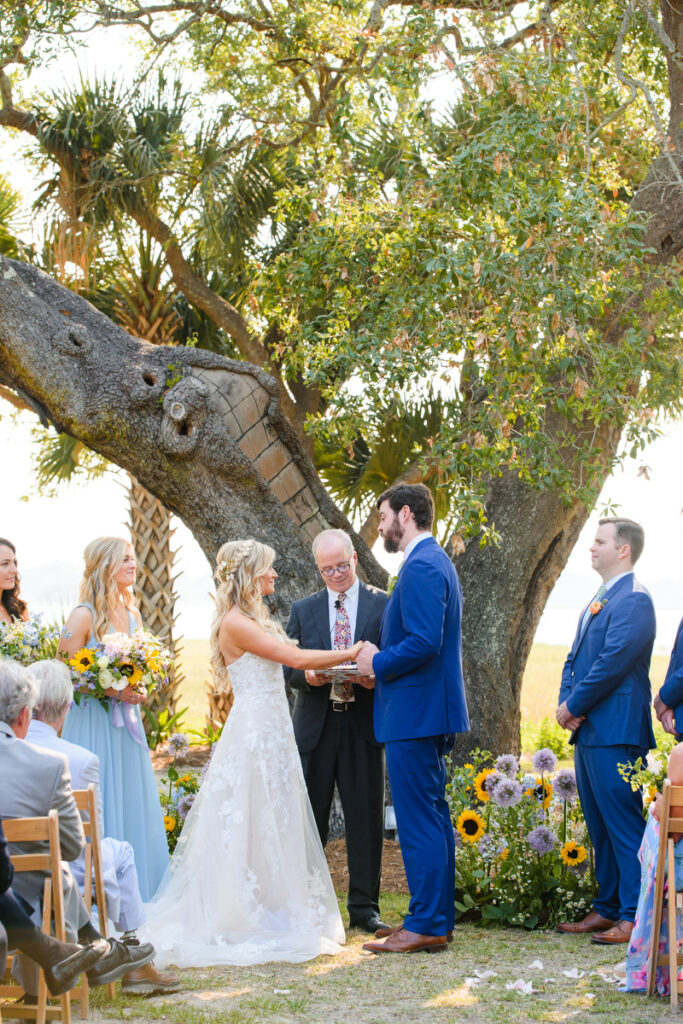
(333, 719)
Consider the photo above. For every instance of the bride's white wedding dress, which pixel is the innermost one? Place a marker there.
(248, 882)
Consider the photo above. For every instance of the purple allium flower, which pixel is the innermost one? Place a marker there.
(580, 869)
(178, 743)
(184, 805)
(507, 764)
(507, 793)
(491, 782)
(564, 784)
(541, 839)
(457, 837)
(544, 760)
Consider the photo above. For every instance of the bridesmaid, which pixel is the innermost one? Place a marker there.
(11, 604)
(130, 799)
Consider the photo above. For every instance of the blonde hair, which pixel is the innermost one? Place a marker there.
(103, 559)
(240, 564)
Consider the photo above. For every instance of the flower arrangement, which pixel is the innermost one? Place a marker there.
(181, 794)
(649, 774)
(30, 641)
(140, 660)
(523, 855)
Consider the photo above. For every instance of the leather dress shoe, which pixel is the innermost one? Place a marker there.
(372, 923)
(147, 980)
(592, 922)
(63, 975)
(121, 959)
(621, 932)
(383, 932)
(404, 941)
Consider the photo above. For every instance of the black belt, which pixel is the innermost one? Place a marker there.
(340, 705)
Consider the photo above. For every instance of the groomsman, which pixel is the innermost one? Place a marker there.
(605, 701)
(333, 730)
(669, 700)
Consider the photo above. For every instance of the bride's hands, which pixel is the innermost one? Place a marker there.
(354, 651)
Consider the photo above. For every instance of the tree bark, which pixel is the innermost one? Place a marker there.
(205, 434)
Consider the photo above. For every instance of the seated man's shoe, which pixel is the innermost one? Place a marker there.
(383, 932)
(121, 959)
(63, 975)
(621, 932)
(592, 922)
(147, 981)
(371, 923)
(404, 941)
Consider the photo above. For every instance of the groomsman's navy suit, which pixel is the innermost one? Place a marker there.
(606, 678)
(671, 692)
(419, 705)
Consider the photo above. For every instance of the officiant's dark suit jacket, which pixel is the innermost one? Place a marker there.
(341, 747)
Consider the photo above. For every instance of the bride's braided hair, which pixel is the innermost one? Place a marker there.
(240, 564)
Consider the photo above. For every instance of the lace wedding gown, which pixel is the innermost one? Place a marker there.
(248, 882)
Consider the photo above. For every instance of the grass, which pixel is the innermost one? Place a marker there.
(364, 989)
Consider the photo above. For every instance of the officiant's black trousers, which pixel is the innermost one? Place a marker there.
(344, 756)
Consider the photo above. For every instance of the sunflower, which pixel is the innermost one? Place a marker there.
(82, 660)
(542, 791)
(504, 854)
(572, 854)
(471, 826)
(169, 823)
(133, 673)
(479, 784)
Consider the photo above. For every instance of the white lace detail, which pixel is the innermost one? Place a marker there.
(248, 882)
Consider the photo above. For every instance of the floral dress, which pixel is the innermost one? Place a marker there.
(638, 954)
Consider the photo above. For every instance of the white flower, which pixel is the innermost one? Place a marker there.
(119, 684)
(107, 680)
(102, 662)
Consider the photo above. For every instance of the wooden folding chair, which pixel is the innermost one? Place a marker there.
(672, 796)
(86, 801)
(29, 830)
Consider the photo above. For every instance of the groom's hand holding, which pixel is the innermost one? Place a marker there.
(364, 658)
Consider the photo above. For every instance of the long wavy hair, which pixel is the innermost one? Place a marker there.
(10, 599)
(240, 565)
(103, 559)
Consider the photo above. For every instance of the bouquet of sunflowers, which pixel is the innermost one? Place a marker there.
(30, 641)
(140, 660)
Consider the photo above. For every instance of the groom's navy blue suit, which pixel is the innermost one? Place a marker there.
(606, 678)
(419, 705)
(671, 692)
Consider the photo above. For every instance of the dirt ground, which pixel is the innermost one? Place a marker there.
(393, 874)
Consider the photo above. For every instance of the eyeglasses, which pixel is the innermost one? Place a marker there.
(341, 569)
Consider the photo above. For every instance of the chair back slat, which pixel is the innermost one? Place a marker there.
(31, 862)
(25, 830)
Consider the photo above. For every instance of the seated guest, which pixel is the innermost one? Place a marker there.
(40, 782)
(639, 947)
(62, 962)
(11, 604)
(124, 903)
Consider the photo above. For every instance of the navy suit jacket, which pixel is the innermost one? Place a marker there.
(6, 869)
(606, 674)
(419, 682)
(672, 688)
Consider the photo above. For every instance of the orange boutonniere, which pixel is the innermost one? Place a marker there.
(597, 606)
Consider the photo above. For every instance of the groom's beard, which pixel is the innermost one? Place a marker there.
(393, 537)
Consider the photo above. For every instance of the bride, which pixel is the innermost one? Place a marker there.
(248, 882)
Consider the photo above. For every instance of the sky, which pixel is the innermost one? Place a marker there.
(50, 533)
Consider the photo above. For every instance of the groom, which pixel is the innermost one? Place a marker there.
(419, 705)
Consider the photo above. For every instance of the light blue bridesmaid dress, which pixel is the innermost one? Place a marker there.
(128, 789)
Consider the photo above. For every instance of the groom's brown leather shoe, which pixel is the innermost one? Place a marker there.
(592, 922)
(620, 933)
(403, 941)
(382, 933)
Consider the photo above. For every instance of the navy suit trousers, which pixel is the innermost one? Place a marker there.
(417, 770)
(614, 816)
